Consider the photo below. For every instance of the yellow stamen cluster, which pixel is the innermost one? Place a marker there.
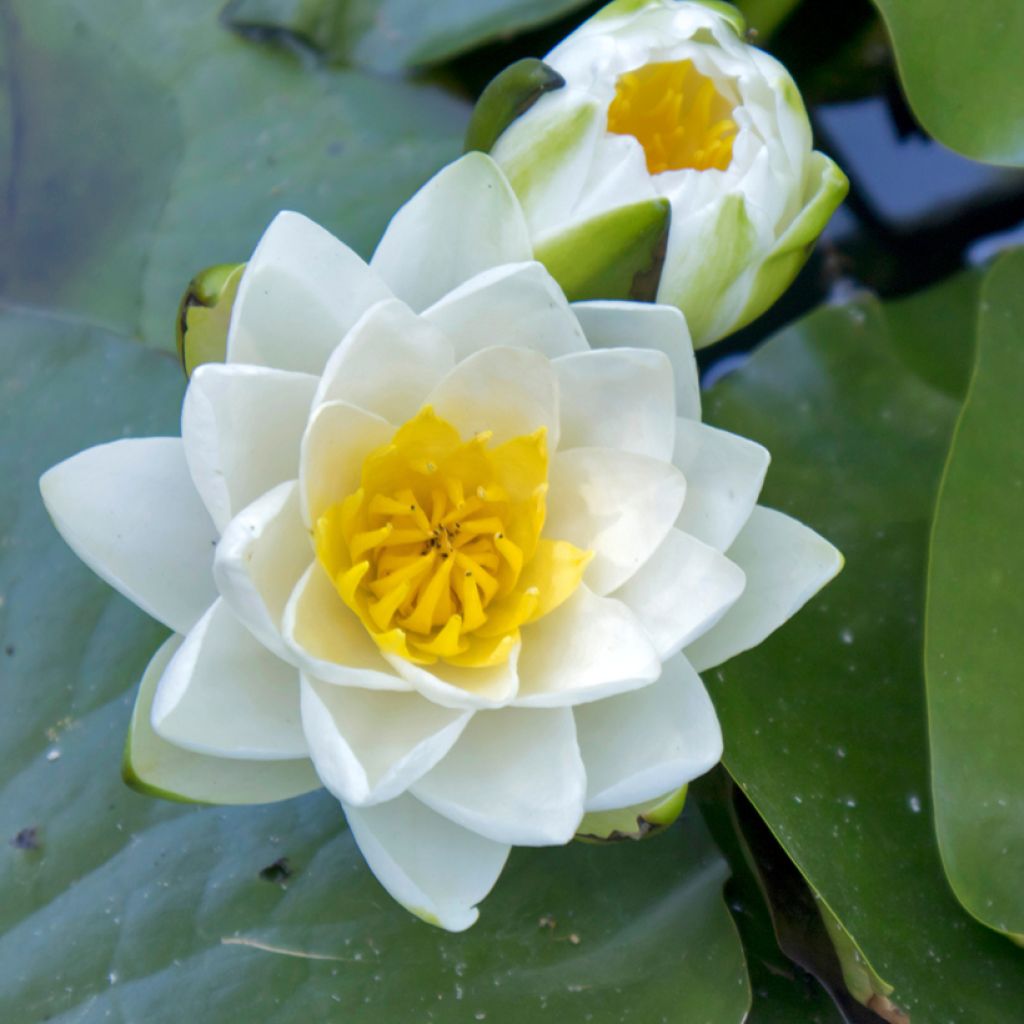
(677, 115)
(439, 551)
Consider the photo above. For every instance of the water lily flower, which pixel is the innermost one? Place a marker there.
(440, 541)
(666, 112)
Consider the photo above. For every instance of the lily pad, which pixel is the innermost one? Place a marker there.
(974, 646)
(960, 67)
(127, 908)
(140, 143)
(390, 35)
(825, 726)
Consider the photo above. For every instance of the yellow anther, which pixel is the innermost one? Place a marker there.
(429, 552)
(677, 114)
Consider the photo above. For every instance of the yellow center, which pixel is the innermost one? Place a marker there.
(676, 114)
(440, 552)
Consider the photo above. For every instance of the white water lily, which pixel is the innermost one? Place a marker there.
(664, 100)
(440, 541)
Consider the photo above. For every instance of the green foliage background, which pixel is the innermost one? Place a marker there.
(874, 739)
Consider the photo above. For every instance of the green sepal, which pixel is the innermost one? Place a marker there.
(615, 255)
(636, 822)
(156, 767)
(204, 315)
(507, 96)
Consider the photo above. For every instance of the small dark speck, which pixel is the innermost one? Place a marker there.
(335, 148)
(26, 839)
(280, 871)
(9, 650)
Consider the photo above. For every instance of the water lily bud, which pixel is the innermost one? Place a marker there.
(205, 314)
(665, 103)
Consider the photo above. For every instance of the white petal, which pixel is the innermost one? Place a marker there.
(368, 746)
(387, 363)
(334, 447)
(614, 503)
(619, 398)
(259, 560)
(464, 220)
(225, 694)
(514, 776)
(328, 639)
(724, 474)
(241, 426)
(154, 766)
(435, 869)
(130, 512)
(510, 391)
(588, 648)
(456, 687)
(644, 744)
(682, 590)
(517, 304)
(647, 325)
(547, 154)
(301, 291)
(786, 564)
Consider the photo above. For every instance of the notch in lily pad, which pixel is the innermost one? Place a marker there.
(506, 97)
(204, 315)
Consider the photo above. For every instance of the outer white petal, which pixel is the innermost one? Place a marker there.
(786, 564)
(368, 746)
(518, 304)
(225, 694)
(509, 391)
(301, 291)
(329, 641)
(337, 440)
(682, 590)
(614, 503)
(514, 776)
(435, 869)
(643, 744)
(546, 154)
(464, 220)
(164, 769)
(129, 511)
(387, 363)
(260, 558)
(724, 474)
(241, 426)
(456, 687)
(646, 325)
(588, 648)
(618, 398)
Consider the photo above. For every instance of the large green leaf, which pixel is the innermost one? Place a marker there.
(960, 68)
(134, 909)
(393, 34)
(825, 723)
(974, 650)
(142, 142)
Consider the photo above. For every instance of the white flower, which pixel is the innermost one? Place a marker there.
(664, 102)
(458, 544)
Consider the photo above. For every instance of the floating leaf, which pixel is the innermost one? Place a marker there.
(389, 35)
(152, 141)
(824, 724)
(960, 67)
(974, 650)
